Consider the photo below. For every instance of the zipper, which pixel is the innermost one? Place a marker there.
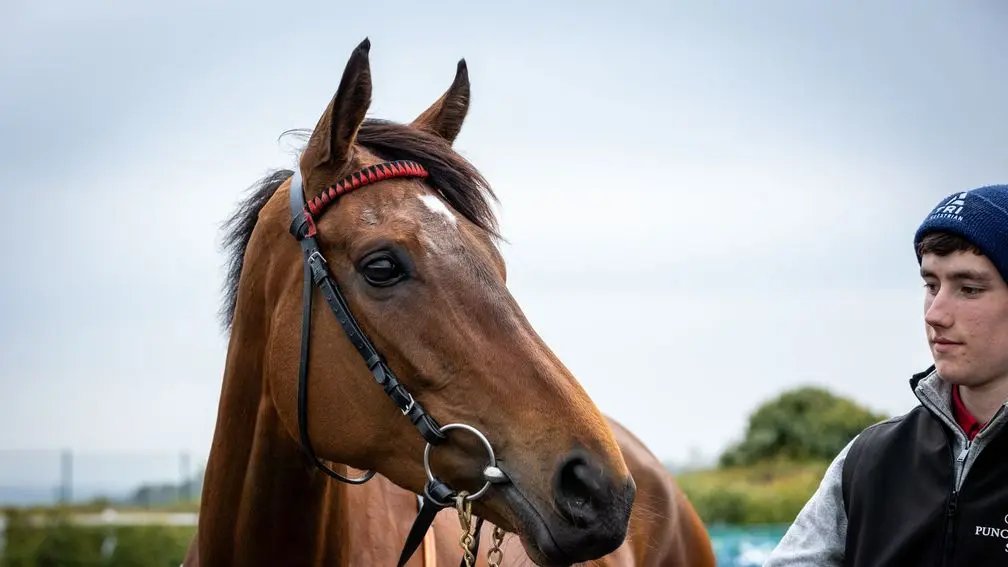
(960, 466)
(953, 504)
(952, 508)
(950, 525)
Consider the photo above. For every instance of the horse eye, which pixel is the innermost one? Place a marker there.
(382, 270)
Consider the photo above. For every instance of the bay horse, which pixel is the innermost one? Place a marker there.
(411, 271)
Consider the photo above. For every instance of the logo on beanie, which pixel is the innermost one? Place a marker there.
(951, 209)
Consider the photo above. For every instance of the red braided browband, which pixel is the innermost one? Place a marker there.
(358, 179)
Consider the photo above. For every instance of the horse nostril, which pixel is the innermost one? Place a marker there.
(580, 490)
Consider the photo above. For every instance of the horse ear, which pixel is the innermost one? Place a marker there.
(446, 115)
(332, 140)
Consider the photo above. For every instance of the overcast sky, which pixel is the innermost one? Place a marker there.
(705, 203)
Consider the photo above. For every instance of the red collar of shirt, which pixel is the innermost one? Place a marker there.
(963, 417)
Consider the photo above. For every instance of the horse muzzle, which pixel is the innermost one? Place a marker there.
(587, 518)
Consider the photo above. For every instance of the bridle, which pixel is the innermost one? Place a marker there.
(436, 495)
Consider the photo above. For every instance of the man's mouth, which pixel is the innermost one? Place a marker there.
(943, 344)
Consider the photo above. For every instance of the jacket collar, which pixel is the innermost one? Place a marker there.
(935, 394)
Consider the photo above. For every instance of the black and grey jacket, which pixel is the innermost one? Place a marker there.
(909, 491)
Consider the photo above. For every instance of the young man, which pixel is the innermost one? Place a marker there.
(931, 487)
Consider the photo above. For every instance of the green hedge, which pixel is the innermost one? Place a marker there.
(771, 492)
(51, 540)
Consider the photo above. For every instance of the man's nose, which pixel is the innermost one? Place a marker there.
(938, 313)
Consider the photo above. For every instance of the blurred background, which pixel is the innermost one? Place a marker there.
(708, 207)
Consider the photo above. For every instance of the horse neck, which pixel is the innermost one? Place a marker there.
(263, 503)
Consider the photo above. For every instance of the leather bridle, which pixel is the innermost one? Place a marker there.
(437, 495)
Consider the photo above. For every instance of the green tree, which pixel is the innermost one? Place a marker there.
(802, 424)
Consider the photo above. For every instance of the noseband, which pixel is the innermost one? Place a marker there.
(437, 495)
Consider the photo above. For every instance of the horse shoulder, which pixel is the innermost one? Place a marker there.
(665, 529)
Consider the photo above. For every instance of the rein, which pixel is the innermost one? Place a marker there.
(436, 494)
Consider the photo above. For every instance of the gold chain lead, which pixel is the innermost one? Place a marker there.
(464, 508)
(495, 555)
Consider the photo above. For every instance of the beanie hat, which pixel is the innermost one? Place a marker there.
(980, 216)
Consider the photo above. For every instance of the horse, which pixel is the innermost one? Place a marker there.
(420, 281)
(411, 270)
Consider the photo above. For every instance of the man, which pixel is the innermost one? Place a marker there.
(931, 487)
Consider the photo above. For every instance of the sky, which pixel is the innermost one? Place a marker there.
(705, 203)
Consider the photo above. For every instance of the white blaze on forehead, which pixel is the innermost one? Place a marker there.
(438, 207)
(369, 216)
(439, 238)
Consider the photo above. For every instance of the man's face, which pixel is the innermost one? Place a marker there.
(966, 318)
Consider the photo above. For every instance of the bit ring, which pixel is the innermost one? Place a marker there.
(486, 445)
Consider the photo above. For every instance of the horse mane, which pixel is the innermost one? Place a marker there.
(457, 180)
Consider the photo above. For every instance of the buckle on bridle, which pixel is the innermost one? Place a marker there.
(318, 266)
(412, 402)
(316, 256)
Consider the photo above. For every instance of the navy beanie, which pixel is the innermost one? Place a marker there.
(980, 216)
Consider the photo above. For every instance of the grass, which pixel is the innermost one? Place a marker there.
(48, 537)
(771, 492)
